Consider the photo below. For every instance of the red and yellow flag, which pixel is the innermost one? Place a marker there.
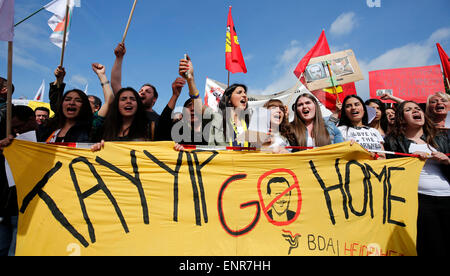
(234, 60)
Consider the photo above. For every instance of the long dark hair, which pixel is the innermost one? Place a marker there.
(320, 132)
(345, 121)
(225, 103)
(401, 126)
(84, 117)
(113, 123)
(383, 119)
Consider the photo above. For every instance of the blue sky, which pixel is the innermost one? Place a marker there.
(274, 36)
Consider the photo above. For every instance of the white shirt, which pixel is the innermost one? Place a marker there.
(28, 136)
(431, 182)
(368, 138)
(279, 141)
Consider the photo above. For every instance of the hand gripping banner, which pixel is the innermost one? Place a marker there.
(147, 199)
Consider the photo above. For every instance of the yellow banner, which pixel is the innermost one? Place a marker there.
(147, 199)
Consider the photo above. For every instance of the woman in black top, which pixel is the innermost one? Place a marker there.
(415, 133)
(126, 120)
(72, 121)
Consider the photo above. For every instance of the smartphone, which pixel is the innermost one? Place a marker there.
(186, 74)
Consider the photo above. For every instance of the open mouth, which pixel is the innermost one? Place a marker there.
(71, 110)
(243, 102)
(417, 117)
(128, 108)
(305, 111)
(440, 108)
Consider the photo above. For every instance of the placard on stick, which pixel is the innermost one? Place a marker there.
(344, 69)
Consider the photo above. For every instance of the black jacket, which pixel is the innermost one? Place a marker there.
(80, 133)
(401, 144)
(8, 196)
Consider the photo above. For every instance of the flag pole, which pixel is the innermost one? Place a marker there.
(333, 84)
(65, 33)
(9, 95)
(28, 17)
(63, 49)
(129, 21)
(228, 84)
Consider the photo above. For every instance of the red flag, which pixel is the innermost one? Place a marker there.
(326, 96)
(444, 60)
(320, 49)
(234, 61)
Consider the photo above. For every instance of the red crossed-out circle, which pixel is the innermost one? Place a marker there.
(267, 208)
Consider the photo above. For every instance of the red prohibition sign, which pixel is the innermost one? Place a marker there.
(292, 187)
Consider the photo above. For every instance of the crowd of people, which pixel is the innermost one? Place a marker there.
(127, 115)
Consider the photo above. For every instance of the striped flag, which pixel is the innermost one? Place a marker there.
(58, 20)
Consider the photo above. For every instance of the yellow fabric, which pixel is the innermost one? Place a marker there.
(147, 199)
(35, 104)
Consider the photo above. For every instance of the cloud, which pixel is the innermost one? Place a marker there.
(78, 80)
(29, 38)
(410, 55)
(344, 24)
(287, 60)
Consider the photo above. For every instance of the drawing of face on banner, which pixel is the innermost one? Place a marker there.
(280, 196)
(315, 72)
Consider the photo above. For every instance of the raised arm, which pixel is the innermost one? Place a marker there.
(386, 96)
(57, 88)
(108, 94)
(186, 70)
(116, 72)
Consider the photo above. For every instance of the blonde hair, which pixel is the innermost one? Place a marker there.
(444, 96)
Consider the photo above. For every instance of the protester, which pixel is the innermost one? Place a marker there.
(3, 97)
(42, 114)
(390, 116)
(96, 103)
(148, 92)
(126, 120)
(380, 122)
(353, 125)
(229, 126)
(23, 125)
(73, 120)
(415, 133)
(280, 131)
(437, 108)
(185, 127)
(309, 127)
(6, 211)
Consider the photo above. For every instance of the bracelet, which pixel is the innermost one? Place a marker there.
(105, 83)
(196, 96)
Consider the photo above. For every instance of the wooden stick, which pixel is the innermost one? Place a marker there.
(63, 49)
(129, 21)
(65, 33)
(9, 96)
(332, 83)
